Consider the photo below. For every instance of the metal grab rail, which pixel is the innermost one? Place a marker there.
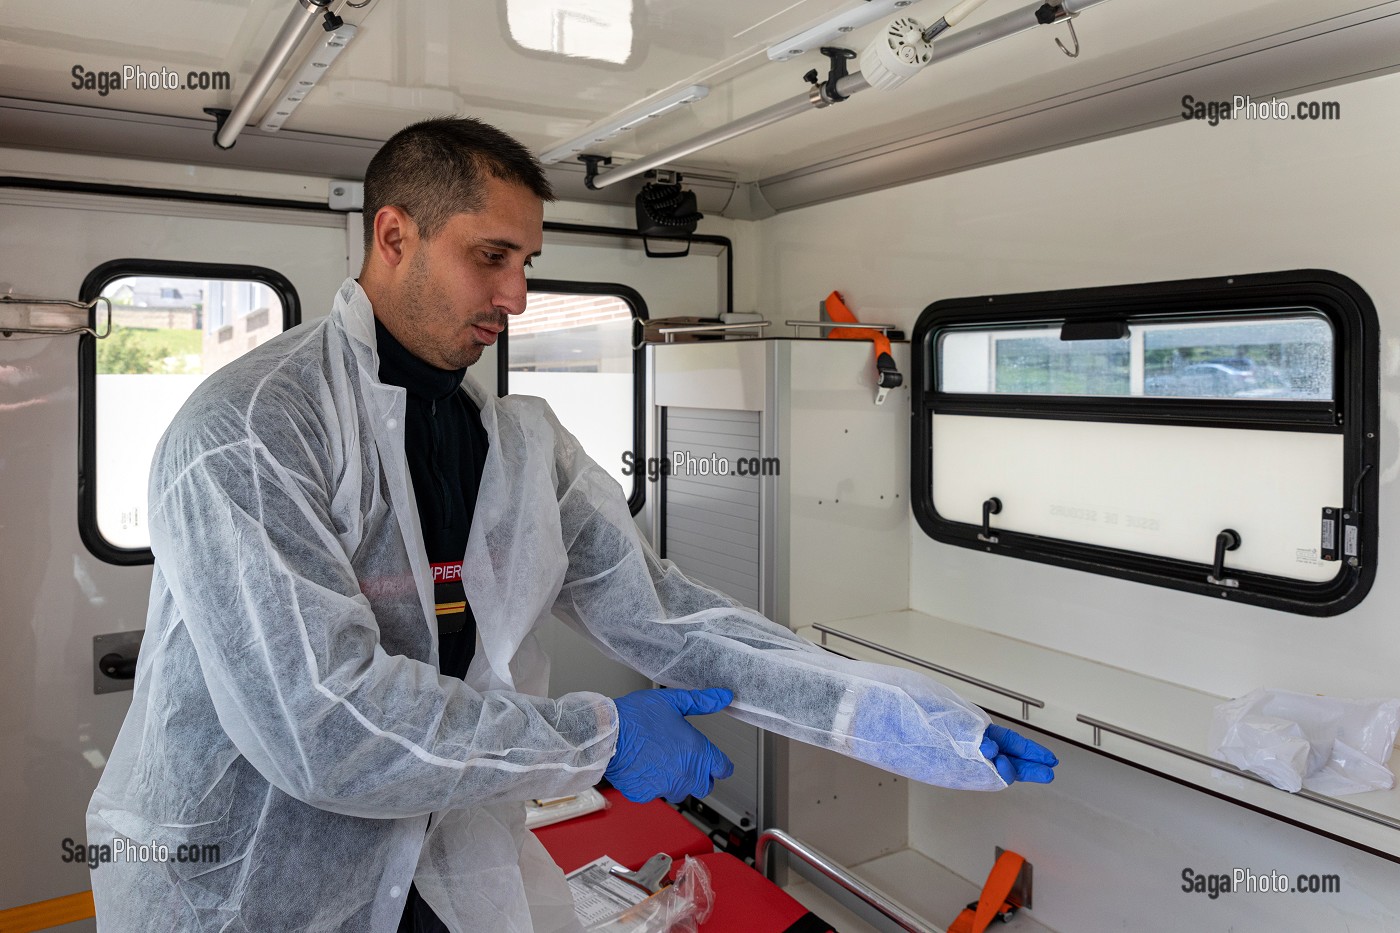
(882, 328)
(29, 327)
(1026, 701)
(670, 332)
(1099, 727)
(829, 867)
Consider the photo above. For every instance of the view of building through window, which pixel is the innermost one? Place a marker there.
(1284, 357)
(178, 326)
(168, 335)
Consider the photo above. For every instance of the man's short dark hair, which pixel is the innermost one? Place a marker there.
(437, 168)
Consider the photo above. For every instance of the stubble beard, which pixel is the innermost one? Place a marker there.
(421, 304)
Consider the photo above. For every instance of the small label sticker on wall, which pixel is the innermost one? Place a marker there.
(1352, 543)
(1329, 534)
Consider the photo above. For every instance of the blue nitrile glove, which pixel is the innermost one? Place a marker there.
(1017, 758)
(658, 753)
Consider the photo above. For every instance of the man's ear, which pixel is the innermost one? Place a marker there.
(394, 232)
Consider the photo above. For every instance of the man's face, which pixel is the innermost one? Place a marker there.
(454, 291)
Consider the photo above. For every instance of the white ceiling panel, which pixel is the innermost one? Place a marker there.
(547, 70)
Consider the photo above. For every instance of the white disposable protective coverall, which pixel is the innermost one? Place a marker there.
(287, 704)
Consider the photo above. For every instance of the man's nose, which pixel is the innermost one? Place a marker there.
(513, 292)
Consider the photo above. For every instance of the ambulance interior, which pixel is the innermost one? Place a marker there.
(1134, 262)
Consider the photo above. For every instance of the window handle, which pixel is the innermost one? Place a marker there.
(117, 667)
(989, 508)
(1227, 540)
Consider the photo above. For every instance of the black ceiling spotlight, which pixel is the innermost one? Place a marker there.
(666, 211)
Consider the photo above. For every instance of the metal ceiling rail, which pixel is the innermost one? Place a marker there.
(1332, 51)
(842, 87)
(304, 15)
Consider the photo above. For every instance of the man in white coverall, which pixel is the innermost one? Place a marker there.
(341, 684)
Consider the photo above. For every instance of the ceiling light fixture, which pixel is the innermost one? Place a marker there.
(327, 50)
(624, 122)
(834, 27)
(228, 124)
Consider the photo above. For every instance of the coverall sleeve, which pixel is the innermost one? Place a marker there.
(290, 651)
(644, 612)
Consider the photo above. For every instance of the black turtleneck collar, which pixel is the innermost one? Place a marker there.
(399, 367)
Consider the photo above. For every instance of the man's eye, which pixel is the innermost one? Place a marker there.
(494, 257)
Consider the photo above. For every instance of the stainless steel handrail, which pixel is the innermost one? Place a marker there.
(882, 328)
(30, 328)
(1025, 700)
(669, 332)
(828, 866)
(1100, 727)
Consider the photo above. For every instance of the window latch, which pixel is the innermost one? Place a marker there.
(1227, 540)
(1342, 540)
(989, 508)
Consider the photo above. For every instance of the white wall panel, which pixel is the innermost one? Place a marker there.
(54, 595)
(1182, 201)
(1178, 202)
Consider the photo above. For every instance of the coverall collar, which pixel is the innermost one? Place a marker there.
(356, 314)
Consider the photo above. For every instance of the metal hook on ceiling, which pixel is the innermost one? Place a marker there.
(1069, 21)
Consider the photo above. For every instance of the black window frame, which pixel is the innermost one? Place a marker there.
(636, 498)
(97, 280)
(1353, 412)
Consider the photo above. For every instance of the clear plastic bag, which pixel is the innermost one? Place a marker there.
(1329, 745)
(678, 908)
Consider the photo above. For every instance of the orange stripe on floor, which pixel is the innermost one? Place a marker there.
(43, 915)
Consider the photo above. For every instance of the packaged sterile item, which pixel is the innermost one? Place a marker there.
(607, 904)
(549, 810)
(1328, 745)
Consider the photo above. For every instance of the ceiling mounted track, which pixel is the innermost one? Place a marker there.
(300, 21)
(903, 49)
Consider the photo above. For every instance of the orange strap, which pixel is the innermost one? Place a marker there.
(44, 915)
(836, 310)
(887, 375)
(994, 893)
